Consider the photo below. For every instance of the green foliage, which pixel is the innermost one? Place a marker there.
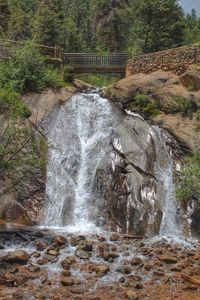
(157, 25)
(100, 25)
(18, 155)
(27, 71)
(188, 181)
(100, 80)
(5, 15)
(192, 28)
(182, 104)
(192, 88)
(68, 72)
(144, 105)
(10, 101)
(110, 19)
(52, 79)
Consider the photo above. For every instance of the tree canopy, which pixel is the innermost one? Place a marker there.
(100, 25)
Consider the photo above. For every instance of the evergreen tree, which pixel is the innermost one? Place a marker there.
(158, 25)
(192, 31)
(111, 24)
(48, 22)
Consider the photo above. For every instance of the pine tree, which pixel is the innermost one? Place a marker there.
(110, 24)
(47, 27)
(158, 25)
(192, 31)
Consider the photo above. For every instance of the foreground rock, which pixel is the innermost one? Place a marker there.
(16, 257)
(191, 78)
(155, 276)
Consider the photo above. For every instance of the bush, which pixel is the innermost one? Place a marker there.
(52, 79)
(188, 181)
(144, 105)
(68, 74)
(27, 71)
(11, 102)
(182, 104)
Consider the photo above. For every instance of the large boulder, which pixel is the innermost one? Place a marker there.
(13, 212)
(191, 78)
(166, 89)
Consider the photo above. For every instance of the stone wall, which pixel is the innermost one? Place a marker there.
(176, 60)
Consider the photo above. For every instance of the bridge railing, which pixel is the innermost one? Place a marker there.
(95, 60)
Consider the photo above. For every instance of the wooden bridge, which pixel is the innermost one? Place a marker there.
(81, 62)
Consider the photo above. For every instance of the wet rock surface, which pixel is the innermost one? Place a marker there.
(119, 268)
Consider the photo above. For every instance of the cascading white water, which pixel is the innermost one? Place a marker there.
(86, 136)
(78, 138)
(164, 170)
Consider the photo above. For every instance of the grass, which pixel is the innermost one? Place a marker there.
(144, 105)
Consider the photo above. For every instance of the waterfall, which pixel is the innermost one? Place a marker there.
(85, 170)
(78, 138)
(164, 170)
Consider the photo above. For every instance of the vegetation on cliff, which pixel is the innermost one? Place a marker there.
(20, 150)
(188, 181)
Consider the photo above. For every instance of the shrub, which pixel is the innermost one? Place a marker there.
(52, 79)
(144, 105)
(27, 71)
(188, 181)
(11, 102)
(68, 73)
(182, 104)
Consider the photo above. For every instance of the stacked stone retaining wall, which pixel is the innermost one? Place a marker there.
(176, 60)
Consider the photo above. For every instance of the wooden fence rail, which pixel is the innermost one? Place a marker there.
(8, 49)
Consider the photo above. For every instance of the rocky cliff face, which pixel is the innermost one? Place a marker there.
(177, 102)
(110, 168)
(173, 94)
(22, 204)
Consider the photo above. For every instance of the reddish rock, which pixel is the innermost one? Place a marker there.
(109, 255)
(102, 270)
(168, 259)
(67, 262)
(136, 261)
(59, 240)
(81, 254)
(124, 269)
(67, 281)
(86, 246)
(191, 77)
(114, 237)
(17, 257)
(41, 245)
(131, 295)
